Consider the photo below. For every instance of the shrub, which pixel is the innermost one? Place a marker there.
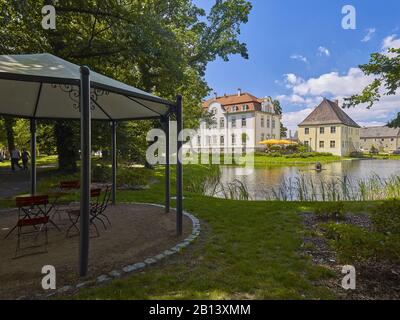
(357, 154)
(101, 173)
(330, 211)
(355, 244)
(386, 217)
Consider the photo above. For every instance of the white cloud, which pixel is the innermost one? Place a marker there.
(369, 35)
(299, 57)
(323, 51)
(390, 42)
(334, 84)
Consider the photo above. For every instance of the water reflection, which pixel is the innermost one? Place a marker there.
(261, 181)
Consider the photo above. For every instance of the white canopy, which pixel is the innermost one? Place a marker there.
(43, 86)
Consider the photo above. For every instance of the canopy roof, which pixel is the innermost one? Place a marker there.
(43, 86)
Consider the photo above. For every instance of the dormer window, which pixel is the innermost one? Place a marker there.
(235, 108)
(245, 107)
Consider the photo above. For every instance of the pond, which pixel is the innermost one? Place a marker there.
(343, 180)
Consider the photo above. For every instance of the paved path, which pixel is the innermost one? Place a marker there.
(14, 183)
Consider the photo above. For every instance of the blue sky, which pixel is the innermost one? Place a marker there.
(299, 53)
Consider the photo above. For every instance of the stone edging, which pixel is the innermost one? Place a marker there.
(115, 274)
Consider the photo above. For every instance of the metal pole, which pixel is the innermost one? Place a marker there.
(114, 161)
(179, 169)
(167, 165)
(33, 156)
(85, 170)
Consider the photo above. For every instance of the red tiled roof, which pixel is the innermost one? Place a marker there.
(229, 100)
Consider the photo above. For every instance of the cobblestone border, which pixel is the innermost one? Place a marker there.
(115, 274)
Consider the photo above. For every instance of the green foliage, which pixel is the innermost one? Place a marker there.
(160, 46)
(386, 68)
(373, 150)
(330, 211)
(355, 244)
(386, 217)
(357, 154)
(127, 177)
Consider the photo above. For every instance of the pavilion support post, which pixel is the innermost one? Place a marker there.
(85, 170)
(179, 168)
(114, 161)
(33, 156)
(167, 164)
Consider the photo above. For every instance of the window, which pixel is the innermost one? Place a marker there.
(333, 129)
(306, 130)
(244, 138)
(244, 122)
(262, 122)
(383, 140)
(333, 144)
(268, 123)
(235, 108)
(245, 107)
(222, 123)
(306, 143)
(233, 121)
(392, 139)
(214, 140)
(273, 124)
(262, 136)
(233, 139)
(222, 140)
(322, 144)
(208, 140)
(322, 130)
(198, 140)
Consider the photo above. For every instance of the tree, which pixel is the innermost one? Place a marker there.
(277, 106)
(9, 128)
(386, 70)
(160, 46)
(283, 131)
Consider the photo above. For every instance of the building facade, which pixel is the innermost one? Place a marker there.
(239, 121)
(329, 129)
(384, 139)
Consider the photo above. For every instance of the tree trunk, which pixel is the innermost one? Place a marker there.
(66, 147)
(9, 125)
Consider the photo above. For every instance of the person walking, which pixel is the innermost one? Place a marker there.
(15, 156)
(25, 158)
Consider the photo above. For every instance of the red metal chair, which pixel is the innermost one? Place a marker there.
(70, 185)
(32, 214)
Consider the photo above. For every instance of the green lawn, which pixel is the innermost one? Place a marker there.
(246, 250)
(262, 161)
(41, 161)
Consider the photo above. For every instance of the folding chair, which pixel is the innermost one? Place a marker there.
(32, 214)
(29, 207)
(74, 215)
(70, 185)
(98, 211)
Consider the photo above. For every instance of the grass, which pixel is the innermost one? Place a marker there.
(247, 250)
(41, 161)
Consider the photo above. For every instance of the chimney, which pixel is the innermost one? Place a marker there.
(215, 95)
(239, 92)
